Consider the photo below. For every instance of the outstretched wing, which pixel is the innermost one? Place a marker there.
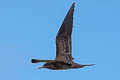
(63, 39)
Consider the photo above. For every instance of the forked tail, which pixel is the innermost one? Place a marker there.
(38, 61)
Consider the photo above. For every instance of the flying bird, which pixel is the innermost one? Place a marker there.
(64, 59)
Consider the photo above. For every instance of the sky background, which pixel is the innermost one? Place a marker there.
(28, 29)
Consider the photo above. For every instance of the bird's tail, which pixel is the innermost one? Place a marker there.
(38, 61)
(90, 65)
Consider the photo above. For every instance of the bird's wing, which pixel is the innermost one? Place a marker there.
(63, 39)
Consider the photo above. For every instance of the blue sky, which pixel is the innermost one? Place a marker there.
(28, 29)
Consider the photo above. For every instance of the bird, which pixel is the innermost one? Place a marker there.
(64, 59)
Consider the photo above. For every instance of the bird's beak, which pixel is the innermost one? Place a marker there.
(41, 67)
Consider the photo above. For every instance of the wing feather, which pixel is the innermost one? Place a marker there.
(63, 39)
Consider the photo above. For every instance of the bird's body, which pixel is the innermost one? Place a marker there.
(59, 65)
(64, 59)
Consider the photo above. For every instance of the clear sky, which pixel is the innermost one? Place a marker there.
(28, 29)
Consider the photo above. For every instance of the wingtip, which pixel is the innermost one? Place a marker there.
(34, 61)
(73, 4)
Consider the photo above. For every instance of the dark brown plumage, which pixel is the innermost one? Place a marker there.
(64, 59)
